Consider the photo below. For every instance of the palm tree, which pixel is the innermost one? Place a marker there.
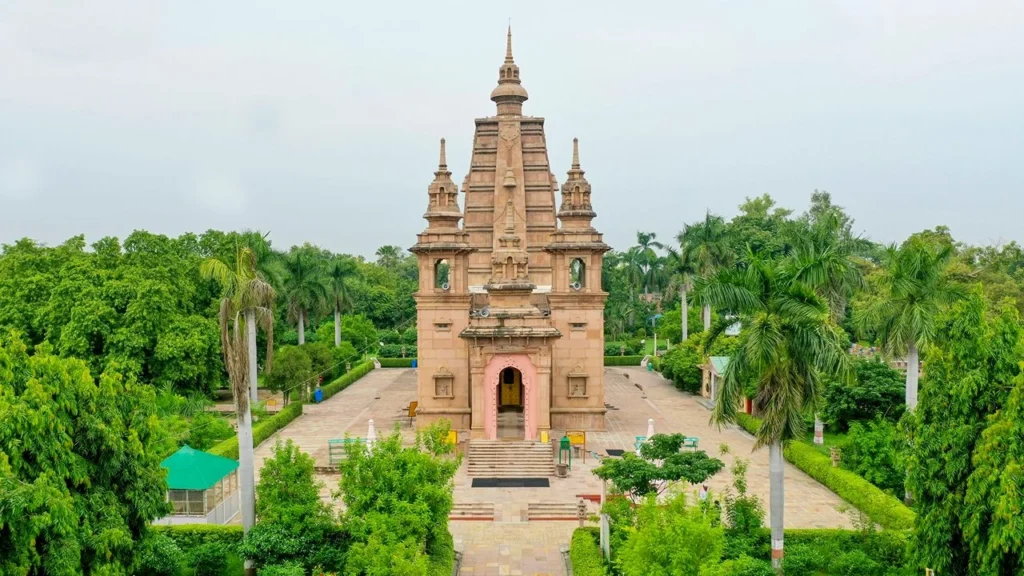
(914, 288)
(339, 275)
(681, 273)
(826, 257)
(787, 344)
(248, 300)
(305, 292)
(707, 247)
(389, 256)
(648, 261)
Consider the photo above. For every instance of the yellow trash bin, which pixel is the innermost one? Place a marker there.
(544, 436)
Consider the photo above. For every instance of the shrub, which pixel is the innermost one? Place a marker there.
(346, 353)
(874, 452)
(585, 554)
(622, 360)
(746, 566)
(262, 430)
(395, 362)
(878, 393)
(681, 365)
(158, 555)
(209, 559)
(879, 506)
(292, 366)
(191, 536)
(389, 336)
(345, 381)
(410, 336)
(612, 349)
(309, 545)
(321, 357)
(672, 538)
(395, 351)
(290, 569)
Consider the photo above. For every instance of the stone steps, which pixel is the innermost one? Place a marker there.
(472, 511)
(503, 459)
(536, 511)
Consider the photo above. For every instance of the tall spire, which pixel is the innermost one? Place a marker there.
(509, 94)
(508, 47)
(443, 164)
(575, 152)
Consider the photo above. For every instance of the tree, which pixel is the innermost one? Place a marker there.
(670, 540)
(971, 371)
(305, 291)
(651, 272)
(705, 245)
(397, 501)
(389, 256)
(80, 477)
(248, 299)
(661, 463)
(681, 270)
(914, 288)
(786, 345)
(876, 393)
(992, 515)
(339, 275)
(292, 367)
(288, 492)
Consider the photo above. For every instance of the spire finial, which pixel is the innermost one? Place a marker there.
(510, 217)
(443, 164)
(508, 44)
(575, 153)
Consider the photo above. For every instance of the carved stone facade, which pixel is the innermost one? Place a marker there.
(510, 311)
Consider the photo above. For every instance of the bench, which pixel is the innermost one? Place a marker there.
(691, 442)
(336, 449)
(639, 442)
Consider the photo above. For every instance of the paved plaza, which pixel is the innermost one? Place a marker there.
(511, 545)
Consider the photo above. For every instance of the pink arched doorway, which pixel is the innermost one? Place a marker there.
(491, 386)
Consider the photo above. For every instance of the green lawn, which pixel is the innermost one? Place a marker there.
(831, 439)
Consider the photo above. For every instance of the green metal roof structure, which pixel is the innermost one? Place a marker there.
(191, 469)
(719, 363)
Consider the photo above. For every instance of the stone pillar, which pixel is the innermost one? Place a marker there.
(477, 391)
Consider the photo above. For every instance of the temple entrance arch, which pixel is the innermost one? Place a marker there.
(510, 382)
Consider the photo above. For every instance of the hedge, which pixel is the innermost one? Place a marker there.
(345, 381)
(881, 507)
(585, 554)
(395, 362)
(191, 536)
(623, 360)
(888, 547)
(262, 430)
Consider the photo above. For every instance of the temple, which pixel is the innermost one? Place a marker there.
(510, 310)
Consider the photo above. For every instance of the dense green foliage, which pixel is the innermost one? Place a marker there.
(585, 555)
(670, 538)
(877, 392)
(80, 477)
(874, 450)
(143, 307)
(397, 501)
(623, 360)
(970, 375)
(395, 362)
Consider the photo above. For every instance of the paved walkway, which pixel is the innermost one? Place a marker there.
(512, 546)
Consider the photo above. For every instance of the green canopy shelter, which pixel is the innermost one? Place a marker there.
(200, 484)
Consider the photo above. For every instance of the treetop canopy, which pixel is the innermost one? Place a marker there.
(191, 469)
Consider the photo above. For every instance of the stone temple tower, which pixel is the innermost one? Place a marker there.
(510, 307)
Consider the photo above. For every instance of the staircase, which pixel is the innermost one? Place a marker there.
(504, 459)
(536, 511)
(472, 511)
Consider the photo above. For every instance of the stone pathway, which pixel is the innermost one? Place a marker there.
(512, 546)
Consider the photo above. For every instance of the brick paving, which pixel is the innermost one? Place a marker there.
(509, 545)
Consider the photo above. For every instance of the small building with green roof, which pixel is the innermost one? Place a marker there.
(201, 487)
(713, 372)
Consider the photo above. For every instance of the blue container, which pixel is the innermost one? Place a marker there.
(413, 362)
(318, 396)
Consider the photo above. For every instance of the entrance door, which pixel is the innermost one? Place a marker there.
(511, 389)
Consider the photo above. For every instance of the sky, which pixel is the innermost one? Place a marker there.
(319, 121)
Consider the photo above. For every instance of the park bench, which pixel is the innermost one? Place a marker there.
(691, 442)
(639, 442)
(336, 448)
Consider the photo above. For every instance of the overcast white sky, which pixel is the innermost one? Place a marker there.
(319, 121)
